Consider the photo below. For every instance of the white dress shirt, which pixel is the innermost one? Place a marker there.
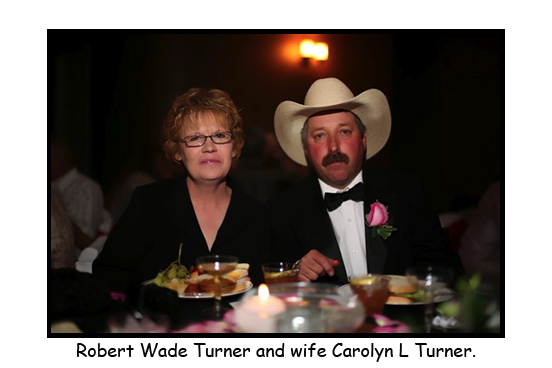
(83, 200)
(348, 224)
(62, 252)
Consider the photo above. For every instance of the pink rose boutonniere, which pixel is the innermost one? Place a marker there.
(377, 220)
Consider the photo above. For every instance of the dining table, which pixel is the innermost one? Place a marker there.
(158, 309)
(393, 319)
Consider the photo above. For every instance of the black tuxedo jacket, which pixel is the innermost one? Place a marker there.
(300, 222)
(159, 217)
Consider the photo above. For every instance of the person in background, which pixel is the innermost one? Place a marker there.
(481, 247)
(200, 209)
(82, 196)
(349, 218)
(153, 166)
(62, 245)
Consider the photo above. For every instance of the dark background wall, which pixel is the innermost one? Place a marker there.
(109, 91)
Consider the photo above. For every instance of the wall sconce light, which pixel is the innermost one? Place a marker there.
(313, 50)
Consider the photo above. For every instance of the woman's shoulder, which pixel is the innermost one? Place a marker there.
(160, 187)
(159, 192)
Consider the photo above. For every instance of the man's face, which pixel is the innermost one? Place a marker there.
(335, 147)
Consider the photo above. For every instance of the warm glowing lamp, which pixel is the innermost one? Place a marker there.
(320, 51)
(307, 49)
(313, 50)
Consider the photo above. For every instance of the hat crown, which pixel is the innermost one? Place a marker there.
(327, 92)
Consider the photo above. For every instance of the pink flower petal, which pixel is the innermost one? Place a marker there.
(378, 215)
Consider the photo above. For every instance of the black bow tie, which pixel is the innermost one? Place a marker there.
(334, 200)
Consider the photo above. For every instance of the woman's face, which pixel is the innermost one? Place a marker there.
(210, 162)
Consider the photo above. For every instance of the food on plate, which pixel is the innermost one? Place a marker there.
(404, 290)
(174, 276)
(402, 284)
(396, 299)
(230, 282)
(190, 280)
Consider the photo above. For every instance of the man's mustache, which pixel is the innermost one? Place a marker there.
(335, 157)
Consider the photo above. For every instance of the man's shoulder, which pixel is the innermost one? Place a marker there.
(89, 182)
(387, 177)
(75, 183)
(160, 188)
(308, 190)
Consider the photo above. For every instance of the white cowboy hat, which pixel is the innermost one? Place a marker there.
(370, 106)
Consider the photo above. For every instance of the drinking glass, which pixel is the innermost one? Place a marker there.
(430, 279)
(372, 291)
(216, 266)
(280, 272)
(314, 307)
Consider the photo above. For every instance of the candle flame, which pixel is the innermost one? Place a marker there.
(264, 294)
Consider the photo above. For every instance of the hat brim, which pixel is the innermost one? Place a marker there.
(370, 106)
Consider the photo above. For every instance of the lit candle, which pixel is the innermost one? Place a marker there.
(257, 314)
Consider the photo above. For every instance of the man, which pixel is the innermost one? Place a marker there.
(481, 248)
(335, 133)
(82, 196)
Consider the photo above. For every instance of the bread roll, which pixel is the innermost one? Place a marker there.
(402, 284)
(395, 299)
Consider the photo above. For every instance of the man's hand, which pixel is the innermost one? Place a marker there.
(314, 265)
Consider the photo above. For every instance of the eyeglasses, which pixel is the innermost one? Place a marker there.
(199, 140)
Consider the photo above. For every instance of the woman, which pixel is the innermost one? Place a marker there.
(200, 209)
